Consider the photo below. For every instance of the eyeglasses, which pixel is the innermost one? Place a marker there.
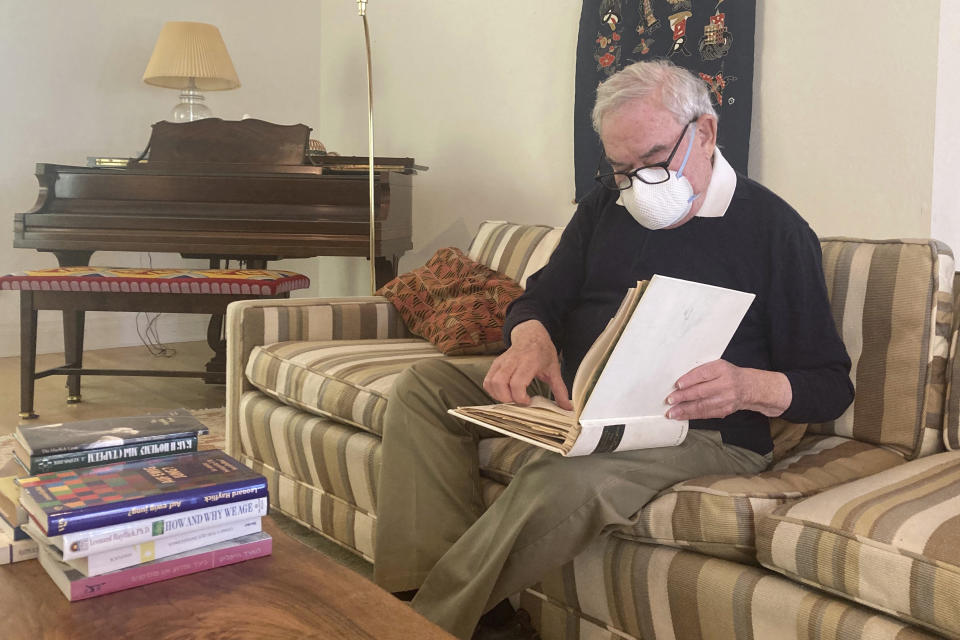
(649, 174)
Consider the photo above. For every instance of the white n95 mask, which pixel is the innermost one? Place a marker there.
(656, 206)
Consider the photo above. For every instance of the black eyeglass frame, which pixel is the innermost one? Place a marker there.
(630, 175)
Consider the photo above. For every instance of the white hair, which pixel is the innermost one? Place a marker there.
(681, 92)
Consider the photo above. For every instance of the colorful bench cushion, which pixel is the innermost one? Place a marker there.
(889, 541)
(716, 515)
(263, 282)
(892, 302)
(349, 380)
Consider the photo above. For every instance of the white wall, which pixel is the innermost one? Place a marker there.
(483, 96)
(843, 128)
(70, 78)
(844, 98)
(945, 222)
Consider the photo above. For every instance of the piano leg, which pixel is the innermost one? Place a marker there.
(217, 365)
(28, 354)
(386, 270)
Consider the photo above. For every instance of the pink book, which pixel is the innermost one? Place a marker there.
(76, 586)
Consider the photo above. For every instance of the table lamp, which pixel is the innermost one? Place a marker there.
(192, 57)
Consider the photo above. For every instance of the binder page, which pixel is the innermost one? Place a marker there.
(676, 326)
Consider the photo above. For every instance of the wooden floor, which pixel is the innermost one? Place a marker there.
(107, 396)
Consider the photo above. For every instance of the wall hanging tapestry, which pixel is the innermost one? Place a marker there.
(712, 38)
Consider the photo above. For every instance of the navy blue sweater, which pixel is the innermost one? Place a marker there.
(761, 245)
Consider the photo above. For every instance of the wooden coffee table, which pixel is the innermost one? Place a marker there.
(295, 593)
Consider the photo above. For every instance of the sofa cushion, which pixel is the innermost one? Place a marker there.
(456, 303)
(515, 250)
(891, 300)
(622, 589)
(349, 380)
(891, 541)
(341, 460)
(716, 514)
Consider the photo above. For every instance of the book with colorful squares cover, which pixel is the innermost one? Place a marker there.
(93, 497)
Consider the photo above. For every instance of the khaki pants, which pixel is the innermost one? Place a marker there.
(433, 532)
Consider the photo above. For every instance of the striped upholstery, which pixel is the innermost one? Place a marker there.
(515, 250)
(255, 322)
(309, 505)
(892, 303)
(346, 379)
(889, 541)
(336, 458)
(623, 589)
(716, 515)
(951, 417)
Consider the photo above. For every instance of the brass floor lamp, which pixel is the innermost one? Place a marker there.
(362, 9)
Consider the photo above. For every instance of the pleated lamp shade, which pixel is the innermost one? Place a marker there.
(191, 50)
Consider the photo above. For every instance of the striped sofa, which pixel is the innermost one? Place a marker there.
(854, 531)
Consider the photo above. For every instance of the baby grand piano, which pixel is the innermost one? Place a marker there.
(224, 190)
(219, 190)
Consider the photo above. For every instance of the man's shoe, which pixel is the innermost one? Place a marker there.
(517, 627)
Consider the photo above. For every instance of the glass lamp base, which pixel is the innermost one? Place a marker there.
(191, 107)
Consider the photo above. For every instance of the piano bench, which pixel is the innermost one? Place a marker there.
(76, 290)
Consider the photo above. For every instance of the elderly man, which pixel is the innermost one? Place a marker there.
(673, 206)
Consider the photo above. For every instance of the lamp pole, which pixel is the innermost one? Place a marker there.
(362, 10)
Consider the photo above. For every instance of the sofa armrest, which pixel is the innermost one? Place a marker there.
(251, 323)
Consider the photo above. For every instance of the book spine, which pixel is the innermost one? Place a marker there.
(85, 543)
(166, 569)
(107, 455)
(17, 550)
(103, 515)
(7, 530)
(44, 451)
(139, 553)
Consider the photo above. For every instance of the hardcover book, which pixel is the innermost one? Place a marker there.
(80, 499)
(76, 586)
(106, 455)
(123, 557)
(663, 329)
(85, 543)
(44, 439)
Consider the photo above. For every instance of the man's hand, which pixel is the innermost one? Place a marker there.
(531, 355)
(718, 388)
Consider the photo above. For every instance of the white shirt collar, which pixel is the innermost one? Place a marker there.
(723, 182)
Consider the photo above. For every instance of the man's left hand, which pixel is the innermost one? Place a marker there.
(718, 388)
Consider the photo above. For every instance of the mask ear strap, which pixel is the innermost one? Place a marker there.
(686, 156)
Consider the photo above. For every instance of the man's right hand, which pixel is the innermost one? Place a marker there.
(531, 355)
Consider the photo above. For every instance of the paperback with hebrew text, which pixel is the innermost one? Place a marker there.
(664, 328)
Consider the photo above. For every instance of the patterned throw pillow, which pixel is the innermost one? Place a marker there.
(456, 303)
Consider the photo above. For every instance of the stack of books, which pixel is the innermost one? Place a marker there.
(154, 515)
(56, 447)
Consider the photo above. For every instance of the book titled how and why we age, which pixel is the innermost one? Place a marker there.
(664, 328)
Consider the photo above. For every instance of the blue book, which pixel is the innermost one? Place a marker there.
(93, 497)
